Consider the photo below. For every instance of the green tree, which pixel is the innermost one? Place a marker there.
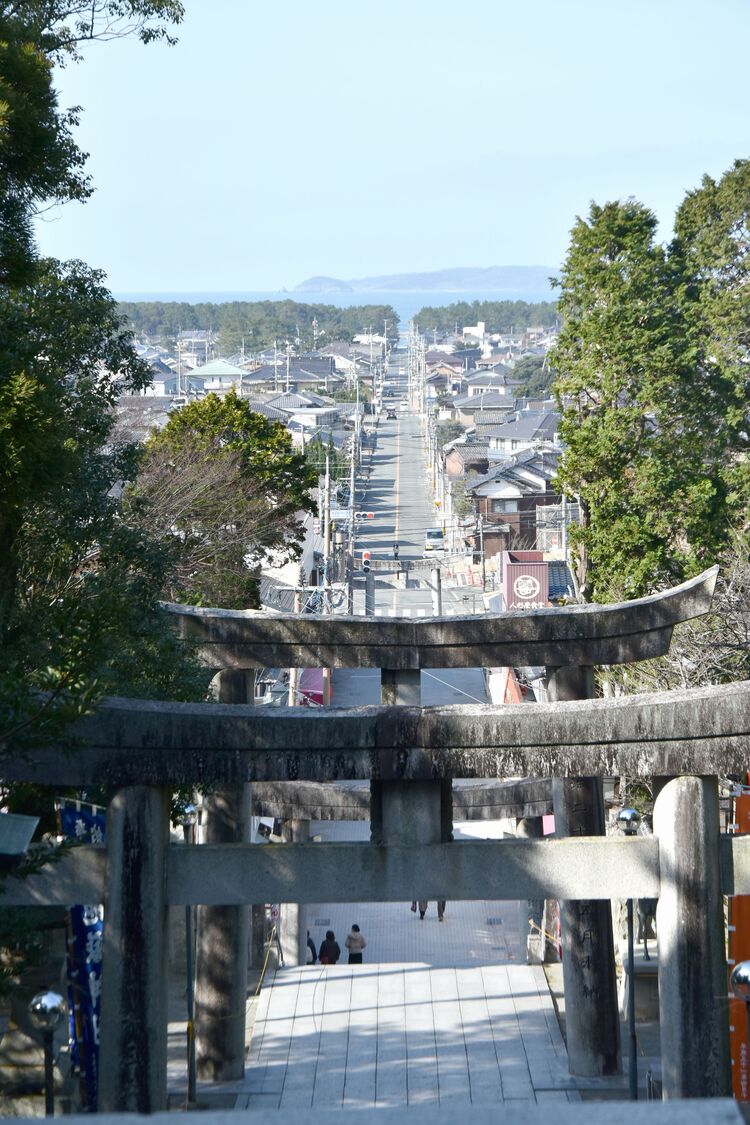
(710, 256)
(498, 316)
(226, 484)
(40, 162)
(536, 373)
(316, 452)
(641, 455)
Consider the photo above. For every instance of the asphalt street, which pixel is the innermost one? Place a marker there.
(397, 493)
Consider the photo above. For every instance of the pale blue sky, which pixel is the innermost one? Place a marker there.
(355, 137)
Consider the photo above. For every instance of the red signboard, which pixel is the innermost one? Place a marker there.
(525, 580)
(739, 950)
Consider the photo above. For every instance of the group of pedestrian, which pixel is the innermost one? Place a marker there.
(422, 904)
(330, 950)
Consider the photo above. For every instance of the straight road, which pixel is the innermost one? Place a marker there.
(398, 495)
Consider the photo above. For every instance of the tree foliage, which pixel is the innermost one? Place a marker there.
(224, 486)
(652, 419)
(536, 375)
(77, 588)
(40, 162)
(498, 316)
(255, 324)
(713, 649)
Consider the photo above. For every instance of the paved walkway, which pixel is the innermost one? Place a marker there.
(440, 1011)
(405, 1034)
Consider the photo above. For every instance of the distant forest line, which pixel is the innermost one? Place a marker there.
(498, 316)
(257, 324)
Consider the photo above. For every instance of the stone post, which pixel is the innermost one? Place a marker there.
(400, 689)
(693, 1004)
(223, 931)
(133, 1032)
(293, 918)
(531, 918)
(369, 594)
(591, 1013)
(409, 812)
(437, 592)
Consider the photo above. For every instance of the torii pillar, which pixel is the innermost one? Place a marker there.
(592, 1020)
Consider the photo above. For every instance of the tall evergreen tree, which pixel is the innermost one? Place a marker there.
(647, 425)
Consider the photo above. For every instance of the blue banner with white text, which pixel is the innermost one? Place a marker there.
(86, 824)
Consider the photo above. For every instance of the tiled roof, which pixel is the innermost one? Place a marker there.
(560, 581)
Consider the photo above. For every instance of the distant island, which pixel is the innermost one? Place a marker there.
(490, 279)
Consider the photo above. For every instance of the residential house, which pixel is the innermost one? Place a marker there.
(168, 381)
(497, 378)
(523, 429)
(468, 408)
(220, 376)
(462, 457)
(508, 495)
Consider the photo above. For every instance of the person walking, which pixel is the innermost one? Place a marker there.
(330, 950)
(355, 943)
(395, 551)
(423, 903)
(311, 947)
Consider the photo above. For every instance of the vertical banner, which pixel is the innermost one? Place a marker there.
(85, 823)
(739, 950)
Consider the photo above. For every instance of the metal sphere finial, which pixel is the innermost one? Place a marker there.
(46, 1009)
(740, 980)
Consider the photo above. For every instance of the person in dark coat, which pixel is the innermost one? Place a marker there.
(330, 950)
(311, 947)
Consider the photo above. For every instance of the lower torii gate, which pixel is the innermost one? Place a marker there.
(410, 755)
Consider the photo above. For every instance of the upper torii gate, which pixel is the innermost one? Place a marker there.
(410, 755)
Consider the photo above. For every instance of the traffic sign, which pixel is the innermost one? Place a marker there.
(364, 515)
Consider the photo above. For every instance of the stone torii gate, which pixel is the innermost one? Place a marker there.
(410, 755)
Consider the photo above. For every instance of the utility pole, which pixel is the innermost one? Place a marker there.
(294, 672)
(327, 573)
(481, 550)
(564, 530)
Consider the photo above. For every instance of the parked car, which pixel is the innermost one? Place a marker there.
(390, 414)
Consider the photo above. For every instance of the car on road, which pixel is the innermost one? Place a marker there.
(403, 405)
(391, 414)
(434, 541)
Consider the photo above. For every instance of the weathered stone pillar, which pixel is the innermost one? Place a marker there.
(437, 591)
(223, 931)
(293, 919)
(133, 1032)
(591, 1014)
(400, 689)
(257, 935)
(531, 917)
(369, 594)
(409, 812)
(693, 1004)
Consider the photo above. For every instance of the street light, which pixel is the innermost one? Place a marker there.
(46, 1009)
(629, 819)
